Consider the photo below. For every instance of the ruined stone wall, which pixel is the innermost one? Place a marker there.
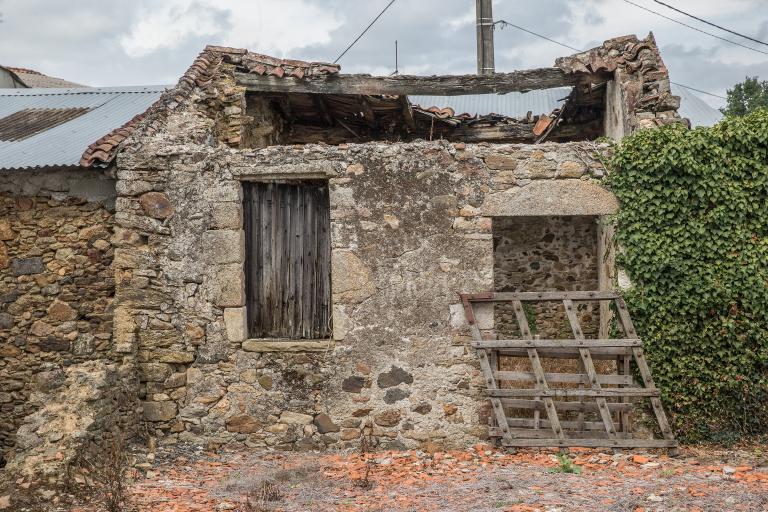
(56, 298)
(411, 228)
(546, 254)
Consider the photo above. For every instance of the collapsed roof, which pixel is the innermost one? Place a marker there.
(256, 100)
(314, 102)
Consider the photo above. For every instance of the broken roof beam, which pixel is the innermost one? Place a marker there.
(410, 121)
(522, 132)
(403, 85)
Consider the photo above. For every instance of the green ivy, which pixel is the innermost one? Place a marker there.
(693, 232)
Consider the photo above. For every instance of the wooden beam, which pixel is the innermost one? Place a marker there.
(539, 296)
(307, 134)
(322, 106)
(571, 378)
(398, 85)
(522, 132)
(517, 403)
(608, 353)
(368, 114)
(410, 121)
(575, 344)
(570, 393)
(589, 443)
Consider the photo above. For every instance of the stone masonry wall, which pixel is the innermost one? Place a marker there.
(411, 228)
(56, 298)
(546, 254)
(60, 378)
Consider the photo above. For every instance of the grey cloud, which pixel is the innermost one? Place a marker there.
(80, 41)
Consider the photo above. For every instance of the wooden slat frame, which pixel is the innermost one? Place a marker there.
(564, 378)
(522, 432)
(589, 367)
(538, 370)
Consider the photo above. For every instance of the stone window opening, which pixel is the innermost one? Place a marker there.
(287, 259)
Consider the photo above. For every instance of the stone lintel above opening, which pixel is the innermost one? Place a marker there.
(551, 197)
(279, 345)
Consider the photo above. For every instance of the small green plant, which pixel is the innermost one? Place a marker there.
(667, 473)
(565, 465)
(530, 316)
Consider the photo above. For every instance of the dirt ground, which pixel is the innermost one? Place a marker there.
(479, 479)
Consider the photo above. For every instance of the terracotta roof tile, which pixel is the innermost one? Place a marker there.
(200, 73)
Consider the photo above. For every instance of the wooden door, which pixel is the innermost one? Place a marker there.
(288, 259)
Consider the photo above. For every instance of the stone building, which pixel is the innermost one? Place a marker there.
(57, 205)
(282, 262)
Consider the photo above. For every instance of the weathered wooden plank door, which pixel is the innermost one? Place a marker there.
(288, 259)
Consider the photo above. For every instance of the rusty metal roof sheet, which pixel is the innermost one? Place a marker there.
(26, 123)
(109, 111)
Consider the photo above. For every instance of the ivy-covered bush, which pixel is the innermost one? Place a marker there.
(693, 232)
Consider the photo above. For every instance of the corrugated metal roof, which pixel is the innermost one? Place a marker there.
(64, 144)
(696, 109)
(517, 104)
(514, 104)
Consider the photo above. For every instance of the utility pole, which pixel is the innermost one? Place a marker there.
(485, 65)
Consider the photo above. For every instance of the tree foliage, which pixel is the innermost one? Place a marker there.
(693, 228)
(746, 97)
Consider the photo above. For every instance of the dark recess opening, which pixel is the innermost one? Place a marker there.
(288, 259)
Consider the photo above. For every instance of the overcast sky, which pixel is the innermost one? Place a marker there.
(145, 42)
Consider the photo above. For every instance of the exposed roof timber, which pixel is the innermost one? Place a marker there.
(451, 85)
(323, 107)
(407, 113)
(523, 132)
(370, 117)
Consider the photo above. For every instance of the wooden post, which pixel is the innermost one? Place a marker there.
(484, 13)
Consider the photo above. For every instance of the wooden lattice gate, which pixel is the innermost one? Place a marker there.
(608, 397)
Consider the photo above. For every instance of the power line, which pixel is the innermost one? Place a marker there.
(699, 90)
(364, 31)
(504, 23)
(696, 29)
(710, 23)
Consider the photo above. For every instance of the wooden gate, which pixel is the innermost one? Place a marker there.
(607, 397)
(288, 259)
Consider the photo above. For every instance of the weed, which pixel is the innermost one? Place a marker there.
(102, 473)
(262, 497)
(365, 482)
(565, 465)
(366, 443)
